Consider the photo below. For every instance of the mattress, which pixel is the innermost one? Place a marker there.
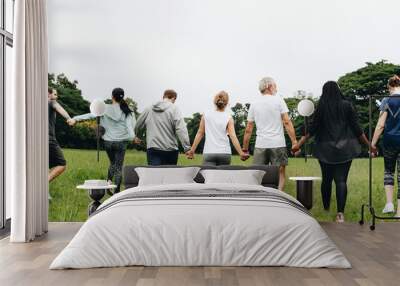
(201, 225)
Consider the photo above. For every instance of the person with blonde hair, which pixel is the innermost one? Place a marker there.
(389, 123)
(218, 127)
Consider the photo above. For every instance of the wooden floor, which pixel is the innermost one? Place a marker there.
(375, 257)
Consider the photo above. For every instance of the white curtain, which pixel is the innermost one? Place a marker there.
(27, 123)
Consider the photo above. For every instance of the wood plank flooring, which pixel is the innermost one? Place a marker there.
(375, 257)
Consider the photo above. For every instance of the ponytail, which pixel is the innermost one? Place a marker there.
(125, 107)
(118, 94)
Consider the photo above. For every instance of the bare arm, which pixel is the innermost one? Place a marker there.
(289, 127)
(233, 137)
(380, 126)
(363, 139)
(83, 117)
(61, 110)
(199, 135)
(247, 134)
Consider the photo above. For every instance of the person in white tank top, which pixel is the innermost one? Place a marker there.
(217, 125)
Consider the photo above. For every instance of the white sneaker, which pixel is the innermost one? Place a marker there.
(389, 208)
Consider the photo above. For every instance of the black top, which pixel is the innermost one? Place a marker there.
(52, 120)
(337, 142)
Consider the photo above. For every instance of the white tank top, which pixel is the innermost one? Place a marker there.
(217, 140)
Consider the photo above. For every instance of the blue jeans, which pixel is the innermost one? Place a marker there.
(158, 157)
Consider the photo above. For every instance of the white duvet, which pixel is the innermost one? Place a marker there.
(202, 231)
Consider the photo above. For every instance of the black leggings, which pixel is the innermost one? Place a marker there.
(338, 173)
(391, 156)
(116, 154)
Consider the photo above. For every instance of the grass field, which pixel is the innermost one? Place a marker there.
(70, 204)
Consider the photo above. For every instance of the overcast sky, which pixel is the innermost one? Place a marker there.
(199, 47)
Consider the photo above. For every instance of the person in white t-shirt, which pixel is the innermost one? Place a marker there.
(270, 114)
(217, 125)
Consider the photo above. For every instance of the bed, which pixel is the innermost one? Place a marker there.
(198, 224)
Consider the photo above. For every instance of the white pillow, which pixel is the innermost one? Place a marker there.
(248, 177)
(166, 176)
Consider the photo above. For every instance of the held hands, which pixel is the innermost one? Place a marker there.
(244, 155)
(71, 122)
(190, 154)
(374, 150)
(296, 147)
(137, 141)
(296, 151)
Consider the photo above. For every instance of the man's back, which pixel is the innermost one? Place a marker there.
(267, 112)
(163, 122)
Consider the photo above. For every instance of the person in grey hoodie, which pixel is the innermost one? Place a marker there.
(163, 122)
(118, 123)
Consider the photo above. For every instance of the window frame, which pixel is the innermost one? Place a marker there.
(6, 39)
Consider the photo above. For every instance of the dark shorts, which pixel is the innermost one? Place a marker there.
(159, 157)
(273, 156)
(56, 156)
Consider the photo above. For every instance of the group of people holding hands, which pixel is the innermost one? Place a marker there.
(338, 135)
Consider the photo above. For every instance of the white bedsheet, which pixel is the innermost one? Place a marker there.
(200, 231)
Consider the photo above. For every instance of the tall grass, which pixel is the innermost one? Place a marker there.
(70, 204)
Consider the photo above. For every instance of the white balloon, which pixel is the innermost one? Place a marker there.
(97, 107)
(305, 107)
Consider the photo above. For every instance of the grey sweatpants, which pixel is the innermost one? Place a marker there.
(216, 159)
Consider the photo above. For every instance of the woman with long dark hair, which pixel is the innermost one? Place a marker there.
(119, 125)
(337, 142)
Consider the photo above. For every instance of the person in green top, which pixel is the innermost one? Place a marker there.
(119, 123)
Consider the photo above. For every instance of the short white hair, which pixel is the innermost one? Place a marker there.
(265, 83)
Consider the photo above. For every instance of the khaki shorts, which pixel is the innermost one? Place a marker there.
(273, 156)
